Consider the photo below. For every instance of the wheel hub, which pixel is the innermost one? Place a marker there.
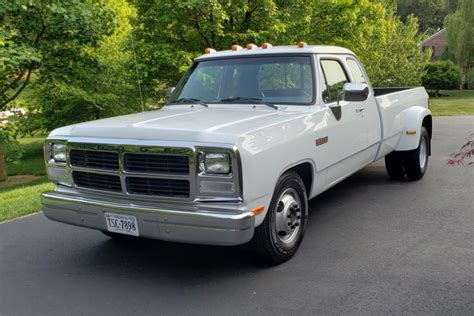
(288, 216)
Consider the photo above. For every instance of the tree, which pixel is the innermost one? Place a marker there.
(465, 154)
(34, 34)
(51, 48)
(441, 75)
(430, 13)
(98, 81)
(170, 33)
(387, 46)
(460, 26)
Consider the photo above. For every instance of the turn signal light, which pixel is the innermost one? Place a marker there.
(302, 44)
(266, 45)
(209, 50)
(411, 132)
(258, 210)
(235, 47)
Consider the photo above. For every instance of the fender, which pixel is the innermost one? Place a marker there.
(413, 119)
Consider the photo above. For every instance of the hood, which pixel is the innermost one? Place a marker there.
(215, 124)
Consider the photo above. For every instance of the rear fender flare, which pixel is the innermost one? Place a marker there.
(413, 121)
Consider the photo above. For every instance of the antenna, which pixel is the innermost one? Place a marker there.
(136, 70)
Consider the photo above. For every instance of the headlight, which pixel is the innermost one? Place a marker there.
(218, 163)
(58, 152)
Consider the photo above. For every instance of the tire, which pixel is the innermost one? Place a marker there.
(415, 161)
(394, 166)
(278, 238)
(117, 236)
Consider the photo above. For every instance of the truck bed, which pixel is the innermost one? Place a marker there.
(382, 91)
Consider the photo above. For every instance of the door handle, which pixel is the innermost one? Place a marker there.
(360, 110)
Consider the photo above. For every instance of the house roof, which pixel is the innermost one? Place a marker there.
(434, 36)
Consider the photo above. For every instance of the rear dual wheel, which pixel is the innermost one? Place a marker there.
(413, 163)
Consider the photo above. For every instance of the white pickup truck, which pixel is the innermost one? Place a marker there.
(248, 136)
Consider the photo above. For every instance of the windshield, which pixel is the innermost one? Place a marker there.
(279, 79)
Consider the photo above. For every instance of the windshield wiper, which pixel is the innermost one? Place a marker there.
(253, 100)
(189, 100)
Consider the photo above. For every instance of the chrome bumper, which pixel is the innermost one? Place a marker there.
(199, 226)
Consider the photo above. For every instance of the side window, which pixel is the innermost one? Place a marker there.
(335, 78)
(356, 71)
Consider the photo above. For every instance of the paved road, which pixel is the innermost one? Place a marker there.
(372, 247)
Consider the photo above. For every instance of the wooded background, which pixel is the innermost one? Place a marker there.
(70, 61)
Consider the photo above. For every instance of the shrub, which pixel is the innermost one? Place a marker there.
(441, 75)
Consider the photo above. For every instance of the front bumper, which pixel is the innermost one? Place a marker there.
(198, 226)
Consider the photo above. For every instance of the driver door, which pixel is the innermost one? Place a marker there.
(347, 137)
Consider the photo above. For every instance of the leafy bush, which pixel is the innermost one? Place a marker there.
(441, 75)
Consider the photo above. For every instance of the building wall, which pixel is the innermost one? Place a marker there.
(437, 43)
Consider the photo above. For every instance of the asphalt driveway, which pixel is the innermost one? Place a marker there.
(372, 246)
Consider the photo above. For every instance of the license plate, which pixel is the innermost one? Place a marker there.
(123, 224)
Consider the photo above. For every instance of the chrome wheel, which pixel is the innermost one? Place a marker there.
(423, 152)
(288, 216)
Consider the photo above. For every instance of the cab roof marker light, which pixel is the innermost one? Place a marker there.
(209, 50)
(251, 46)
(302, 44)
(266, 45)
(236, 47)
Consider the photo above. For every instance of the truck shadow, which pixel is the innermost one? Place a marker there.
(184, 261)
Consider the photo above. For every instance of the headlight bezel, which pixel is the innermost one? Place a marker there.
(215, 163)
(51, 157)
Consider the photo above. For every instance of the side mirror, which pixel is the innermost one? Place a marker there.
(352, 92)
(169, 91)
(356, 92)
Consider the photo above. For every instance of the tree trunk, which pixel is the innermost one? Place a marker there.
(3, 166)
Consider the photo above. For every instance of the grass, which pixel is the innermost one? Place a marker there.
(22, 199)
(453, 102)
(31, 162)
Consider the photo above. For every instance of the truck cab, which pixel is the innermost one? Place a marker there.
(247, 137)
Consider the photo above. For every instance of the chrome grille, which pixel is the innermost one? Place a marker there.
(95, 159)
(131, 170)
(97, 181)
(156, 163)
(158, 187)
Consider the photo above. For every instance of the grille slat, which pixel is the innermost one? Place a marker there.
(156, 163)
(95, 159)
(159, 187)
(97, 181)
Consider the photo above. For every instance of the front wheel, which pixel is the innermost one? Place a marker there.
(277, 239)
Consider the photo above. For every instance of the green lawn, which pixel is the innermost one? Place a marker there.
(453, 102)
(31, 162)
(22, 199)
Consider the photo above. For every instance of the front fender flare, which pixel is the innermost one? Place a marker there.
(413, 121)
